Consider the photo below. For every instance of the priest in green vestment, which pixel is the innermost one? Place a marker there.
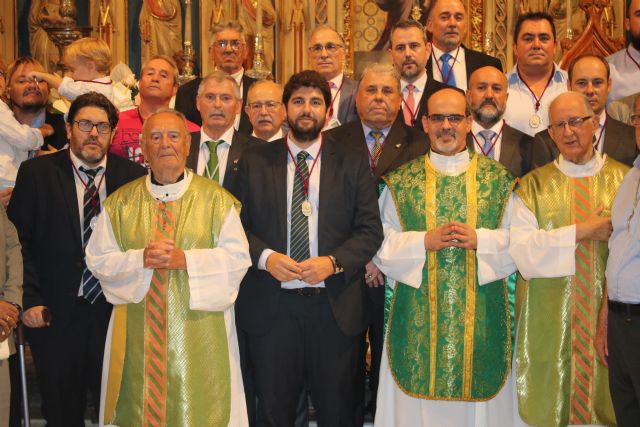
(560, 225)
(170, 252)
(448, 347)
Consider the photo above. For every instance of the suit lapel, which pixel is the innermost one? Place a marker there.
(278, 177)
(194, 152)
(611, 139)
(327, 185)
(234, 156)
(508, 148)
(68, 188)
(396, 141)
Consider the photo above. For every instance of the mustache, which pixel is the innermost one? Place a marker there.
(489, 102)
(446, 132)
(30, 90)
(217, 112)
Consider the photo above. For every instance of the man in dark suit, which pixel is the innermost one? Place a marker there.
(228, 51)
(326, 56)
(218, 102)
(54, 201)
(311, 217)
(266, 111)
(490, 135)
(389, 143)
(451, 62)
(410, 51)
(589, 75)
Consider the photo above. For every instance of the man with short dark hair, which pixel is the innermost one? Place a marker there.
(534, 80)
(228, 50)
(589, 75)
(309, 209)
(451, 62)
(54, 206)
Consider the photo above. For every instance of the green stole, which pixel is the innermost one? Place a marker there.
(198, 388)
(450, 338)
(560, 380)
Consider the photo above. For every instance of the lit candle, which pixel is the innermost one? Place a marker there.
(569, 13)
(187, 21)
(258, 17)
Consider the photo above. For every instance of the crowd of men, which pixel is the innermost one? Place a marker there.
(220, 262)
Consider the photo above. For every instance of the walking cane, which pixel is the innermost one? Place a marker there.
(23, 376)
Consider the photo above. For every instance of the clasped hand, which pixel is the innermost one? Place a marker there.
(163, 254)
(454, 234)
(312, 270)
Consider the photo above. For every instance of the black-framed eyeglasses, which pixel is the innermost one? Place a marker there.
(234, 44)
(454, 119)
(88, 125)
(574, 123)
(331, 48)
(269, 105)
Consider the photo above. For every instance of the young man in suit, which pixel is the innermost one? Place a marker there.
(311, 216)
(490, 135)
(589, 75)
(326, 56)
(53, 207)
(389, 143)
(410, 52)
(228, 50)
(451, 62)
(219, 103)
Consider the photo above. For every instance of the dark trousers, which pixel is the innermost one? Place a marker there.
(68, 360)
(624, 367)
(305, 346)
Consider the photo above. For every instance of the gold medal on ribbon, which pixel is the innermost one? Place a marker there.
(535, 121)
(305, 207)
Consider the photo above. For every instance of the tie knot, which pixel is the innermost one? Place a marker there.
(445, 57)
(332, 85)
(410, 87)
(91, 173)
(487, 135)
(376, 135)
(302, 156)
(214, 144)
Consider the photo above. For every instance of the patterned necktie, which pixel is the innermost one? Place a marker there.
(410, 106)
(299, 248)
(155, 365)
(446, 69)
(212, 165)
(91, 289)
(487, 147)
(377, 147)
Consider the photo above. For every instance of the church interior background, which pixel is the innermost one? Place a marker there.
(138, 29)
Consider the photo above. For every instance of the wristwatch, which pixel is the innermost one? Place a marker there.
(337, 267)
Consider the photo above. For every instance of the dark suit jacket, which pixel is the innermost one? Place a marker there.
(59, 137)
(349, 228)
(44, 209)
(239, 143)
(347, 107)
(431, 87)
(186, 103)
(515, 150)
(619, 144)
(473, 61)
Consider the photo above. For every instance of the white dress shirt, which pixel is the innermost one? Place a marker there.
(459, 65)
(222, 150)
(418, 91)
(624, 73)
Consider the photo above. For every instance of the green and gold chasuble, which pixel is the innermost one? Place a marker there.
(169, 364)
(450, 338)
(560, 379)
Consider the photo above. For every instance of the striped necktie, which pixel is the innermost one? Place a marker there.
(299, 247)
(377, 147)
(91, 289)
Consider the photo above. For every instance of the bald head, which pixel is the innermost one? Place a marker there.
(487, 95)
(265, 109)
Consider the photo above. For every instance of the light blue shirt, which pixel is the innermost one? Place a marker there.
(623, 265)
(371, 140)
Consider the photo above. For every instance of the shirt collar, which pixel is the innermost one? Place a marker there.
(77, 162)
(450, 165)
(337, 80)
(313, 149)
(603, 118)
(238, 76)
(573, 170)
(513, 76)
(367, 129)
(418, 85)
(169, 192)
(476, 127)
(635, 53)
(438, 53)
(227, 136)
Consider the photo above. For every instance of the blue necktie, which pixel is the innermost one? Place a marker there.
(488, 136)
(447, 68)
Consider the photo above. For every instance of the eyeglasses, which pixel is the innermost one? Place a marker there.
(88, 125)
(635, 119)
(573, 123)
(269, 105)
(454, 119)
(234, 44)
(331, 48)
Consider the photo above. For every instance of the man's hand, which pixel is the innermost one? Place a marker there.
(5, 196)
(47, 150)
(594, 227)
(464, 235)
(158, 254)
(283, 268)
(8, 319)
(316, 269)
(34, 317)
(438, 238)
(373, 276)
(46, 130)
(600, 343)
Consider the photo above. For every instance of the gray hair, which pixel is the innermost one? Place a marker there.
(226, 25)
(382, 68)
(220, 76)
(169, 61)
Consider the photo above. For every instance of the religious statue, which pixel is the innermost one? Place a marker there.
(296, 24)
(161, 28)
(42, 14)
(247, 18)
